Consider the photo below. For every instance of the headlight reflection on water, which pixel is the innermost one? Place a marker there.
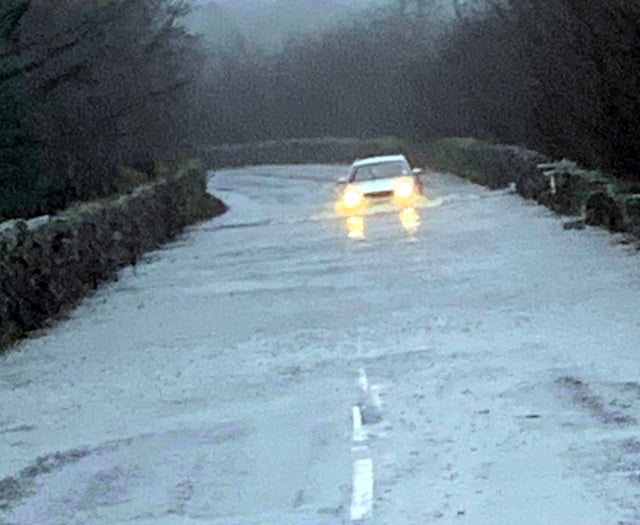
(355, 227)
(409, 219)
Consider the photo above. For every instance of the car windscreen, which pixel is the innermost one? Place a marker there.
(382, 170)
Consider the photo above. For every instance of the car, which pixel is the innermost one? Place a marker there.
(374, 179)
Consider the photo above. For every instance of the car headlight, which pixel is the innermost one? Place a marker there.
(352, 197)
(404, 188)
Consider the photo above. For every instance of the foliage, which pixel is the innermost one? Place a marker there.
(106, 85)
(22, 184)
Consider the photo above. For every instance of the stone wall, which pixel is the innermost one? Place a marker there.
(50, 263)
(589, 196)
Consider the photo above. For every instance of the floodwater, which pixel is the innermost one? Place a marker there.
(216, 383)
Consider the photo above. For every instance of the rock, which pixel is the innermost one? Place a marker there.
(622, 238)
(574, 225)
(566, 195)
(632, 205)
(570, 186)
(603, 210)
(532, 184)
(530, 181)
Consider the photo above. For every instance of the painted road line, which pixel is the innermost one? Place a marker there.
(362, 500)
(359, 434)
(362, 495)
(363, 382)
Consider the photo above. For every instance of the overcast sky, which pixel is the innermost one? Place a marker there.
(268, 23)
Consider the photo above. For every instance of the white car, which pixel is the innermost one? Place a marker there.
(388, 177)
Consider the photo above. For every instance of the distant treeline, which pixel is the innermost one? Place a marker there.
(89, 86)
(560, 76)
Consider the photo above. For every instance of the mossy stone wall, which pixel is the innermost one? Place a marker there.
(49, 264)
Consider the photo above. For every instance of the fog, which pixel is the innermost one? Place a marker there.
(269, 23)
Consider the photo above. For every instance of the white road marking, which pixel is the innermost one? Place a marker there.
(363, 382)
(362, 495)
(359, 434)
(362, 500)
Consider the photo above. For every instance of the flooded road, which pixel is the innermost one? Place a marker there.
(216, 383)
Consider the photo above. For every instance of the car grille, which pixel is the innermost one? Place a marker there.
(379, 194)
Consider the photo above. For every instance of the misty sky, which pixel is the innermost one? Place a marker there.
(268, 23)
(257, 4)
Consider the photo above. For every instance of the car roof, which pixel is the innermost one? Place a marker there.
(379, 160)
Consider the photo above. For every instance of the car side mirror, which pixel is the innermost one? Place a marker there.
(342, 181)
(417, 171)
